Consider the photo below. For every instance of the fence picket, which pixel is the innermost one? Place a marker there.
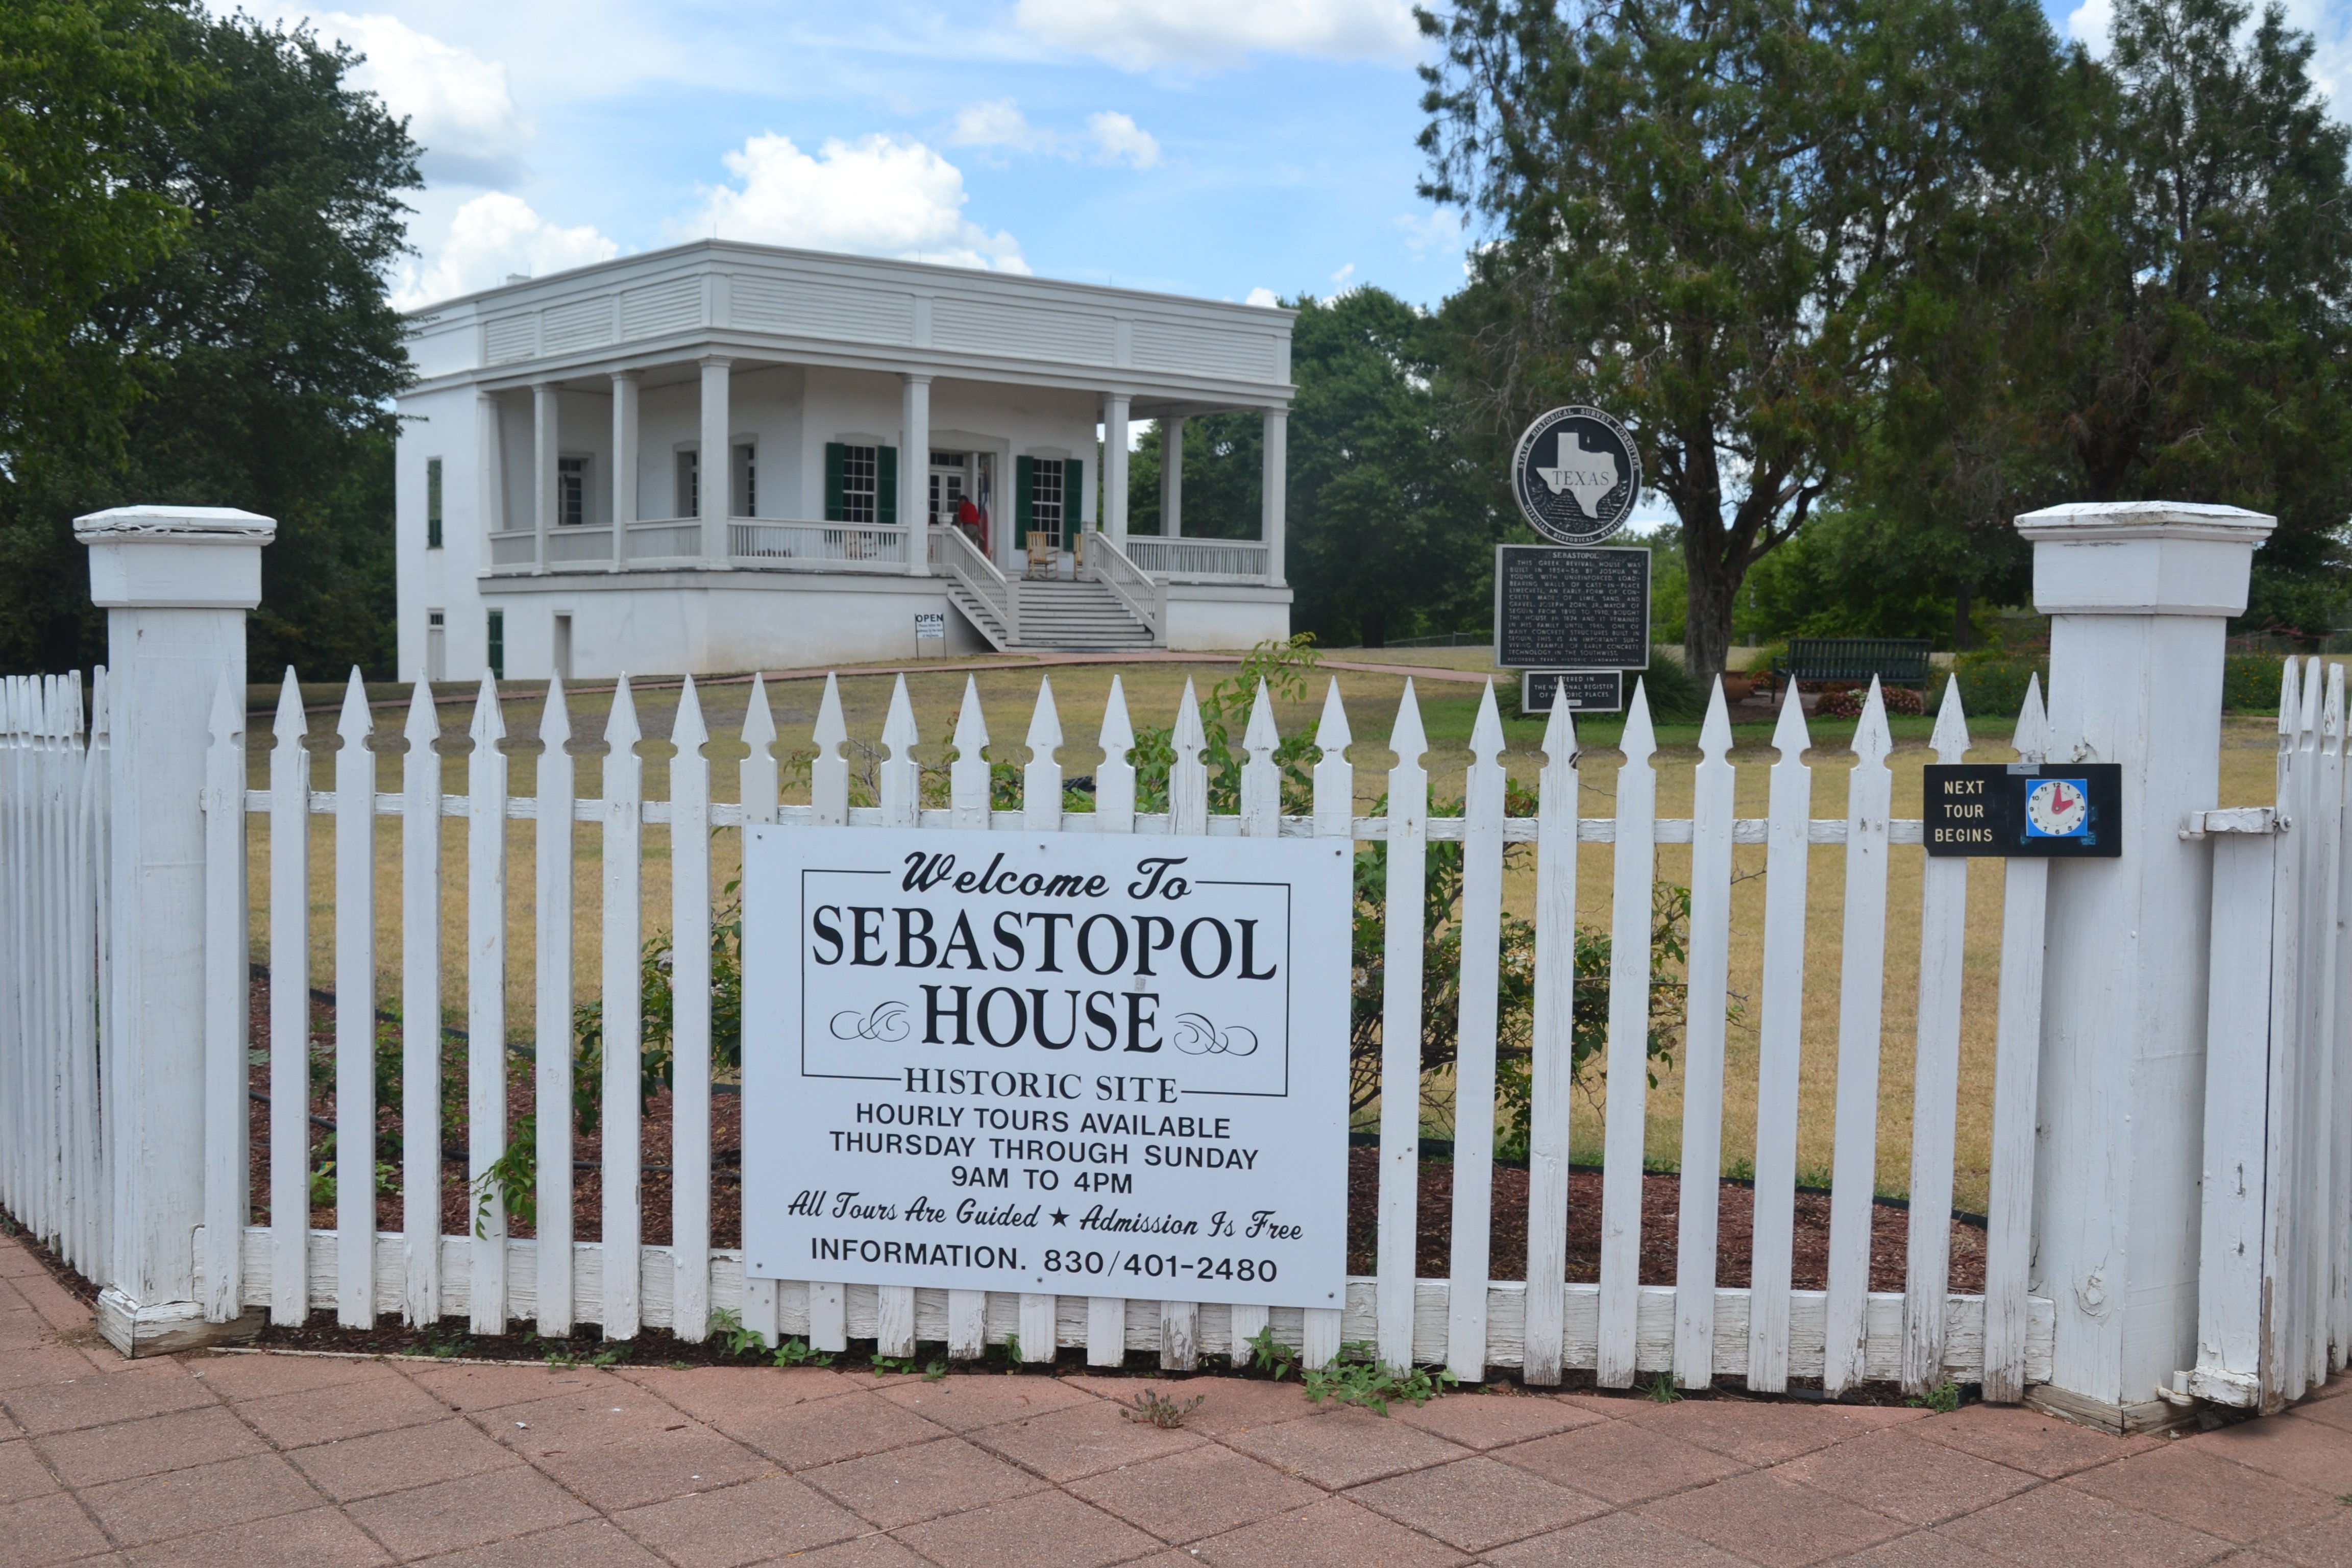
(289, 1010)
(2327, 810)
(552, 1044)
(85, 1245)
(756, 786)
(1261, 816)
(624, 1018)
(1935, 1083)
(1478, 1002)
(355, 1013)
(1551, 1065)
(2338, 947)
(1624, 1126)
(1335, 802)
(1780, 1023)
(420, 1016)
(1862, 985)
(690, 946)
(228, 1162)
(1188, 813)
(1400, 980)
(485, 1009)
(828, 1322)
(1115, 775)
(15, 902)
(1708, 970)
(2016, 1091)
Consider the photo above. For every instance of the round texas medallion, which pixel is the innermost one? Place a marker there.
(1576, 475)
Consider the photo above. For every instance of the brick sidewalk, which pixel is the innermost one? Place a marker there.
(255, 1461)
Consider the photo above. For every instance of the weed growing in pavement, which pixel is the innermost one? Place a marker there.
(1662, 1390)
(796, 1352)
(1942, 1399)
(1154, 1408)
(937, 1372)
(899, 1364)
(1267, 1353)
(727, 1326)
(1358, 1377)
(1012, 1354)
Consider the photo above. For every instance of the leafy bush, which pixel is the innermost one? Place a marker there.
(1283, 665)
(2250, 682)
(1992, 684)
(1675, 695)
(1850, 702)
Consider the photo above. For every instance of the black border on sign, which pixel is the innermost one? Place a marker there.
(1648, 574)
(1526, 690)
(1545, 422)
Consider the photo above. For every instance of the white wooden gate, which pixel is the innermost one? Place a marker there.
(1540, 1326)
(2274, 1287)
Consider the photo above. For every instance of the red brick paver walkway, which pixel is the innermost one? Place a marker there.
(255, 1461)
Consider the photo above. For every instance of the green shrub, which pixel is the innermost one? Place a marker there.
(2250, 682)
(1676, 696)
(1992, 686)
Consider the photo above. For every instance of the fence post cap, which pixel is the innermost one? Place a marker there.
(176, 524)
(2143, 558)
(2104, 520)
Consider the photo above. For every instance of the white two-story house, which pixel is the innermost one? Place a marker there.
(900, 442)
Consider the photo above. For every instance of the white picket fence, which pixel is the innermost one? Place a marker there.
(53, 835)
(55, 1165)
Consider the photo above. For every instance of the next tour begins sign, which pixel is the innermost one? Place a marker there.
(1090, 1064)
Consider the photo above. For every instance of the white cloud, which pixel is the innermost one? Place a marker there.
(2089, 23)
(458, 104)
(874, 196)
(1139, 33)
(998, 122)
(1439, 230)
(2092, 24)
(1264, 298)
(1339, 278)
(1111, 137)
(489, 237)
(1120, 140)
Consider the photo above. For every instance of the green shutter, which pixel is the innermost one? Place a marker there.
(885, 485)
(835, 456)
(1024, 498)
(1073, 481)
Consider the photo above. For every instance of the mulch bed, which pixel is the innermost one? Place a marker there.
(1661, 1195)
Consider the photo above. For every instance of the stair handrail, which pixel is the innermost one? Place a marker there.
(978, 574)
(1146, 598)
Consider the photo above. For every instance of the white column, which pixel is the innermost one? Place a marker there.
(493, 483)
(1171, 477)
(915, 472)
(544, 431)
(1114, 417)
(716, 462)
(625, 460)
(176, 583)
(1277, 477)
(2139, 595)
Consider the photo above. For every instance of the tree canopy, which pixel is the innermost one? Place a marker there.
(200, 313)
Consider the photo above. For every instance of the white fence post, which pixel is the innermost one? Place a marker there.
(2139, 595)
(175, 583)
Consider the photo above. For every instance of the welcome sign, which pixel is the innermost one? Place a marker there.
(1073, 1063)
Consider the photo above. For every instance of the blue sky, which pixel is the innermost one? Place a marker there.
(1210, 147)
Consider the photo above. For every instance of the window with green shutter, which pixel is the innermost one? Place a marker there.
(1024, 499)
(885, 485)
(432, 503)
(1074, 486)
(836, 455)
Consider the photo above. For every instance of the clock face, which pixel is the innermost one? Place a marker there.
(2057, 808)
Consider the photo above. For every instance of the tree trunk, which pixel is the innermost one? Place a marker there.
(1707, 625)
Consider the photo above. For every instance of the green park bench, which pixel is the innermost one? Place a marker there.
(1895, 661)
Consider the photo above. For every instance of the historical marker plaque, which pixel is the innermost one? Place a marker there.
(1576, 475)
(2052, 810)
(1080, 1064)
(1572, 607)
(1578, 690)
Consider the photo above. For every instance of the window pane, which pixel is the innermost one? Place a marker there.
(857, 469)
(570, 491)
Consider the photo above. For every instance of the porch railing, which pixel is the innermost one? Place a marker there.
(572, 546)
(769, 545)
(1199, 560)
(1146, 596)
(951, 553)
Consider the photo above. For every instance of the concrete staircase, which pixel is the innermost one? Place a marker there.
(1063, 617)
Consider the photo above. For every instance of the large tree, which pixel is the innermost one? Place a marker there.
(1705, 213)
(245, 356)
(1392, 522)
